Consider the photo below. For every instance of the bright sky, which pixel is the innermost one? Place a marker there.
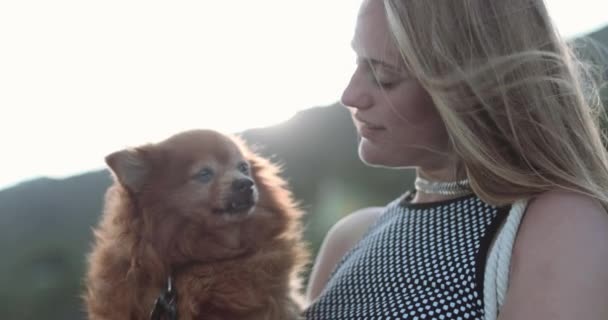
(80, 78)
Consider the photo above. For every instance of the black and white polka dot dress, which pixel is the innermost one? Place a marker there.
(418, 261)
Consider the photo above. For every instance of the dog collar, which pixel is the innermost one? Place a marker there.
(166, 303)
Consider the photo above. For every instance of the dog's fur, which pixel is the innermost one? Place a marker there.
(162, 219)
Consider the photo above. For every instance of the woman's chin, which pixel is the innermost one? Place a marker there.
(373, 155)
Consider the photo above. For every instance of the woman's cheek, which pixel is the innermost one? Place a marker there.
(413, 106)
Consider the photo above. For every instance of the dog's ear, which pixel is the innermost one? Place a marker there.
(130, 168)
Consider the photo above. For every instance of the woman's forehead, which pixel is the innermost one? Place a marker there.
(372, 38)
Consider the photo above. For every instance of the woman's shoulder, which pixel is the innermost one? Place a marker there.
(345, 233)
(342, 236)
(358, 220)
(557, 223)
(562, 216)
(559, 259)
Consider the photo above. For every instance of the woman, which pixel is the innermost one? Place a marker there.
(486, 102)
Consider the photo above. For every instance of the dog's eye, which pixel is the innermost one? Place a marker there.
(243, 167)
(204, 175)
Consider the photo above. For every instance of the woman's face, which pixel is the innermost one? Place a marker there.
(394, 115)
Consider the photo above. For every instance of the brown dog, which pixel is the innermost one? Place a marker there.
(199, 226)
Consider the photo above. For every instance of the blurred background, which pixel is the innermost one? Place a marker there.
(81, 79)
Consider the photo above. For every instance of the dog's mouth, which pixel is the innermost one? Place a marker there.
(241, 199)
(237, 205)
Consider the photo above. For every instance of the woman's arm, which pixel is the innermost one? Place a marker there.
(340, 238)
(560, 261)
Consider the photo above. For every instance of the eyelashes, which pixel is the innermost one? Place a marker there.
(380, 76)
(385, 85)
(383, 79)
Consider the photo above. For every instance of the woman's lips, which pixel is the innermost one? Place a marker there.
(369, 131)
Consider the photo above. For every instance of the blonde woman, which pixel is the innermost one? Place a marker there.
(486, 102)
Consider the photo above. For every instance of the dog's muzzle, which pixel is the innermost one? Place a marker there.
(242, 196)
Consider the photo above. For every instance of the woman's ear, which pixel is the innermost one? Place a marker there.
(129, 167)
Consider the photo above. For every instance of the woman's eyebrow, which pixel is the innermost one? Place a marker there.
(384, 64)
(373, 61)
(376, 62)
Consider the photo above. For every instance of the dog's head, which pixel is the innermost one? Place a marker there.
(199, 196)
(202, 176)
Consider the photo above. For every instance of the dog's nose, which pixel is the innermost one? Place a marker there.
(242, 185)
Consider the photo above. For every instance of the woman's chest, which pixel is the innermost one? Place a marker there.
(411, 264)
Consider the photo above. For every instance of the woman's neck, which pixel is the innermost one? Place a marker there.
(446, 175)
(421, 197)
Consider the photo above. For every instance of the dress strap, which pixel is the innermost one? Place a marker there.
(496, 275)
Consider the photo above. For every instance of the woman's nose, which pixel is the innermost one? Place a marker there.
(355, 94)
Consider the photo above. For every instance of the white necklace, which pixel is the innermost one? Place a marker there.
(453, 188)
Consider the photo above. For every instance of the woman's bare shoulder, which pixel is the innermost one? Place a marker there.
(559, 260)
(356, 223)
(339, 239)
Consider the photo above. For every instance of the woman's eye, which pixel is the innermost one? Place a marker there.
(385, 84)
(244, 168)
(383, 79)
(204, 175)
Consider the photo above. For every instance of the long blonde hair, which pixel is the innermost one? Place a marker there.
(517, 106)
